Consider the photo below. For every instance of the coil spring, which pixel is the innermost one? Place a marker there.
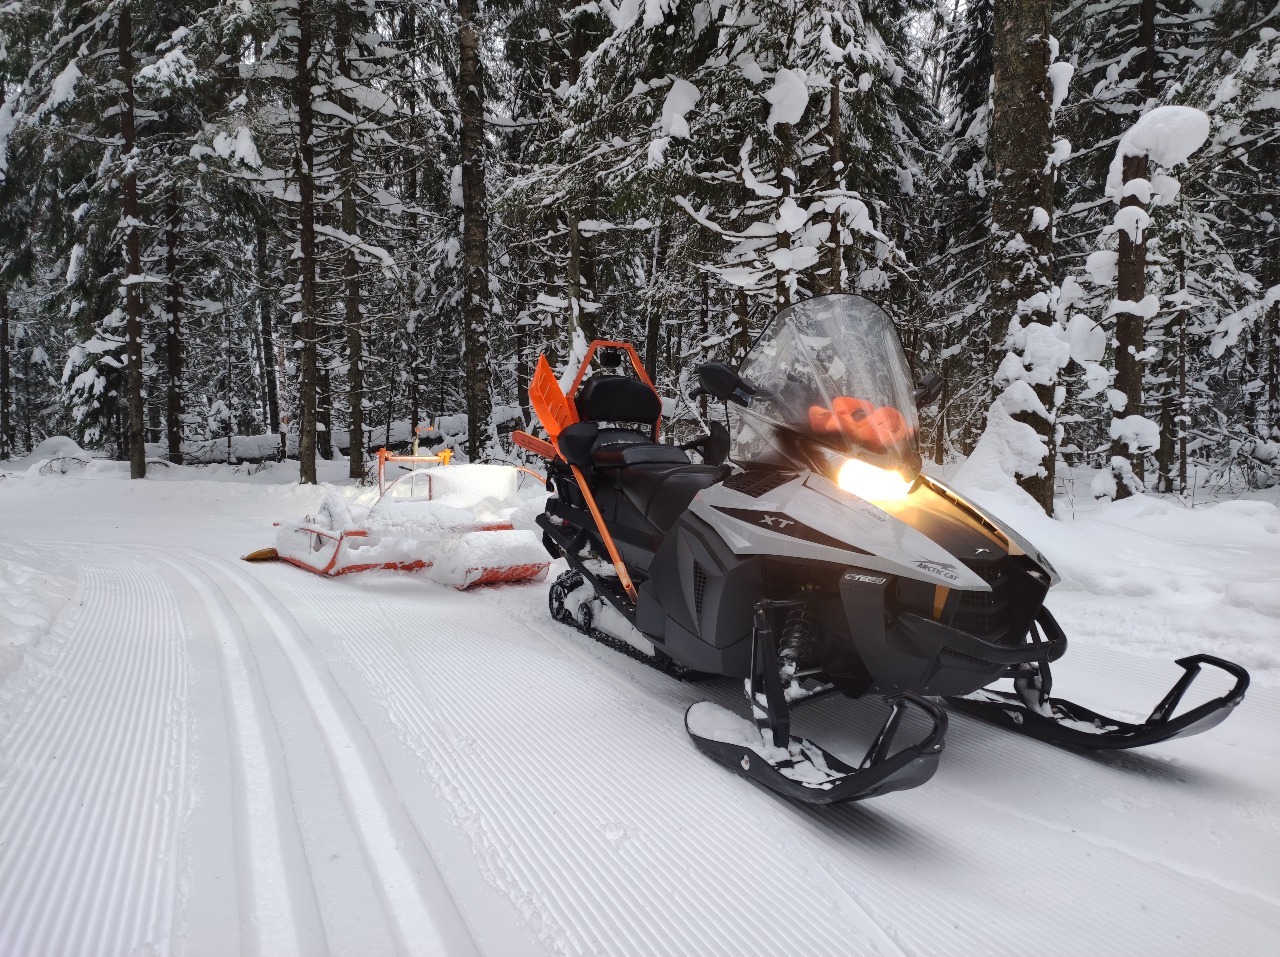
(799, 635)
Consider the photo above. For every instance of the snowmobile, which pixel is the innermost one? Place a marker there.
(808, 555)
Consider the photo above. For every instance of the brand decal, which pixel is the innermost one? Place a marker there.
(941, 569)
(868, 579)
(982, 551)
(788, 527)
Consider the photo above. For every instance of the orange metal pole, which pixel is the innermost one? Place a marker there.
(623, 576)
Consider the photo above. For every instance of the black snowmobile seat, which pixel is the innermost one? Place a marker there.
(649, 453)
(662, 493)
(586, 443)
(615, 398)
(658, 479)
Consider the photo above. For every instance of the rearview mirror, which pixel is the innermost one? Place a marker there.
(927, 391)
(720, 382)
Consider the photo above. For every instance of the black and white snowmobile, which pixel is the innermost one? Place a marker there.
(821, 561)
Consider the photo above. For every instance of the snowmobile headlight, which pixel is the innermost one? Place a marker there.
(872, 482)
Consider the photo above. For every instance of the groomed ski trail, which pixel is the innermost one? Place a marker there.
(93, 778)
(595, 740)
(274, 763)
(613, 838)
(359, 877)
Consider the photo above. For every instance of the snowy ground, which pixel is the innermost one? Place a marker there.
(202, 756)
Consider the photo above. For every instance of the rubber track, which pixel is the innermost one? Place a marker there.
(668, 667)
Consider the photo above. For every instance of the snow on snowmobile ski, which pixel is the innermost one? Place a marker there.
(809, 556)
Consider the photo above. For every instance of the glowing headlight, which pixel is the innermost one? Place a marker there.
(872, 483)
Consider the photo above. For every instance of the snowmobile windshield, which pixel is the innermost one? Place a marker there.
(829, 372)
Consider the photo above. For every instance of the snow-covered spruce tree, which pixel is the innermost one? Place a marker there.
(279, 61)
(1129, 61)
(789, 134)
(1232, 192)
(478, 312)
(1161, 139)
(354, 147)
(79, 104)
(956, 272)
(1028, 86)
(188, 222)
(553, 181)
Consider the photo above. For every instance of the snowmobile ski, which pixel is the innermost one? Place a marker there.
(1031, 711)
(768, 754)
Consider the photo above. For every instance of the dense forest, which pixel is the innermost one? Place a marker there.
(326, 223)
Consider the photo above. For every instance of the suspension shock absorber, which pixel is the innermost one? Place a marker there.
(799, 639)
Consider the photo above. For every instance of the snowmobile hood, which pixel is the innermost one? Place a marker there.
(810, 517)
(966, 511)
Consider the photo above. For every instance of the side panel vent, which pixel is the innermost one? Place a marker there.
(699, 587)
(757, 482)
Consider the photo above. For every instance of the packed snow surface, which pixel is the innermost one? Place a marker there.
(203, 756)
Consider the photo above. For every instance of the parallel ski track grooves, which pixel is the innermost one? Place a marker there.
(100, 767)
(910, 910)
(420, 926)
(1100, 870)
(601, 903)
(268, 896)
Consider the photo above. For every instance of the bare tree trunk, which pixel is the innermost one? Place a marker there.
(307, 242)
(173, 333)
(1170, 424)
(413, 331)
(133, 251)
(550, 278)
(324, 411)
(1131, 278)
(653, 325)
(350, 268)
(1273, 372)
(267, 333)
(782, 291)
(1021, 252)
(742, 335)
(835, 260)
(523, 373)
(578, 282)
(588, 285)
(475, 230)
(1183, 404)
(704, 328)
(6, 433)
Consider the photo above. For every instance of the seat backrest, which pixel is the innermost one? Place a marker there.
(616, 398)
